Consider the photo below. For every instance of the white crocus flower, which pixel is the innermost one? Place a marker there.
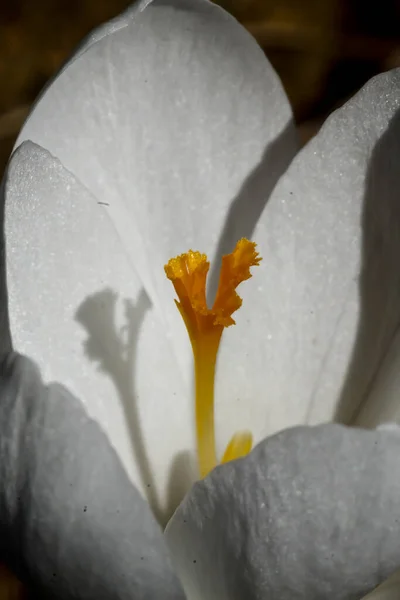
(169, 130)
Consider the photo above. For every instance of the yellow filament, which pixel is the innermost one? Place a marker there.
(240, 445)
(188, 273)
(205, 355)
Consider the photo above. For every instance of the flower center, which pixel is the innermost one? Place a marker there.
(188, 273)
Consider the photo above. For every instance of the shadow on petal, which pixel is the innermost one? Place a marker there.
(182, 474)
(252, 198)
(379, 285)
(73, 525)
(115, 352)
(5, 331)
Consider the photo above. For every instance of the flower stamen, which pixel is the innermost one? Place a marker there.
(240, 445)
(188, 273)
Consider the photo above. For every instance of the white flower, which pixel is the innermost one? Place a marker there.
(169, 130)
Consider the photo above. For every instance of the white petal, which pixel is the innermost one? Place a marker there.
(310, 513)
(71, 524)
(119, 22)
(324, 304)
(178, 124)
(378, 341)
(77, 306)
(383, 401)
(180, 108)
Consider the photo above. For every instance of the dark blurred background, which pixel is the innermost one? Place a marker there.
(323, 50)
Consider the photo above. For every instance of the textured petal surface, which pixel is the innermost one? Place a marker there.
(311, 513)
(71, 524)
(328, 300)
(79, 308)
(179, 127)
(119, 22)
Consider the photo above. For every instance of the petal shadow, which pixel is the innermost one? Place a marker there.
(115, 352)
(182, 474)
(379, 284)
(248, 205)
(5, 331)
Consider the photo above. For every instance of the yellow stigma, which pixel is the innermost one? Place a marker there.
(188, 273)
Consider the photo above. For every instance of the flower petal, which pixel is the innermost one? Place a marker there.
(310, 513)
(72, 526)
(180, 121)
(328, 299)
(180, 128)
(77, 306)
(382, 403)
(119, 22)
